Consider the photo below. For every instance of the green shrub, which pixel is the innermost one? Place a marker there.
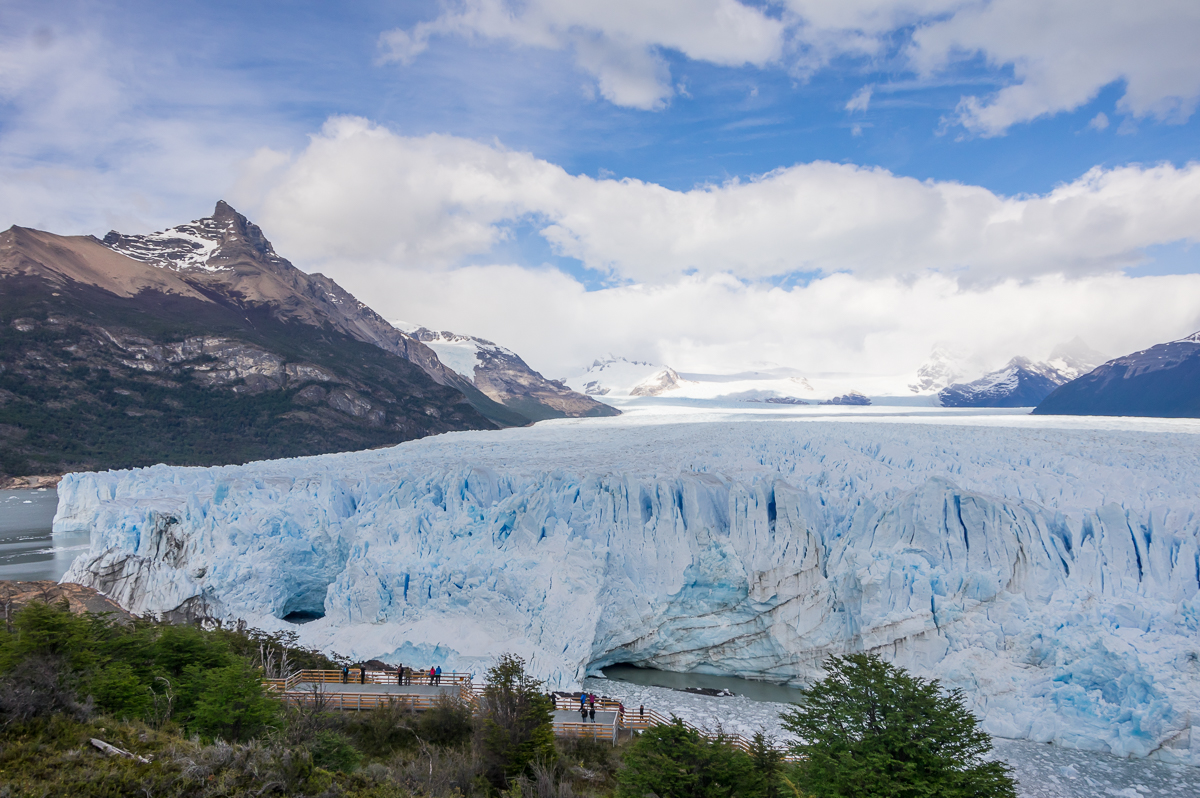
(332, 751)
(118, 691)
(384, 730)
(673, 761)
(448, 723)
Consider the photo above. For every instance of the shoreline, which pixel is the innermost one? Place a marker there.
(31, 483)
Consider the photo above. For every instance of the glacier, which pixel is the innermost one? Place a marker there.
(1049, 569)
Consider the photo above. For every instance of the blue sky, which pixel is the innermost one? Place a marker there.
(704, 122)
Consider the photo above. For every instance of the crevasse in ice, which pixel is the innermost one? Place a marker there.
(1052, 574)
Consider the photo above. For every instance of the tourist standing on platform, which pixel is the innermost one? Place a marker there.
(642, 713)
(400, 674)
(582, 711)
(362, 674)
(438, 678)
(345, 673)
(582, 701)
(592, 712)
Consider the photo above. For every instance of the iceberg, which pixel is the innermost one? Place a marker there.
(1050, 573)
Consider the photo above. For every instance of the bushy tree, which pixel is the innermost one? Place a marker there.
(870, 729)
(233, 705)
(516, 730)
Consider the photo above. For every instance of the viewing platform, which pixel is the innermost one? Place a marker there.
(366, 690)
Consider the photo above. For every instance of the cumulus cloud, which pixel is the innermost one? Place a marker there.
(362, 191)
(894, 264)
(618, 42)
(1060, 53)
(1063, 52)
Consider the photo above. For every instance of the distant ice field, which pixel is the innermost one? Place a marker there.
(1050, 567)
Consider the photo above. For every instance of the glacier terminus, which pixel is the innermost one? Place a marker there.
(1050, 569)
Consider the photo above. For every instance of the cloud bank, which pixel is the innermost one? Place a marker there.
(818, 266)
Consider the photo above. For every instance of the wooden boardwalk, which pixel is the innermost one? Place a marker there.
(366, 690)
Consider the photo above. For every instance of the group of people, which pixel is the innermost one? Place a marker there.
(403, 675)
(432, 676)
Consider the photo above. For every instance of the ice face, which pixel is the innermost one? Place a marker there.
(1052, 574)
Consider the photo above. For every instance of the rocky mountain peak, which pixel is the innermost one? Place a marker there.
(211, 244)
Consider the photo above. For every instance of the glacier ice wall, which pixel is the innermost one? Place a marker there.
(1053, 574)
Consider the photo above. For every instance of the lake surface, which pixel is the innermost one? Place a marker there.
(747, 688)
(28, 548)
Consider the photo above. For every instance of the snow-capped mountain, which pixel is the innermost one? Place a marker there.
(614, 376)
(503, 376)
(229, 254)
(942, 369)
(1163, 380)
(222, 354)
(1050, 573)
(1075, 358)
(1022, 382)
(617, 377)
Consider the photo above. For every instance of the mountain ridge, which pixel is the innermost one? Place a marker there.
(111, 362)
(503, 376)
(1161, 381)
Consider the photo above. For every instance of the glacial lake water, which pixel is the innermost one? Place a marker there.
(748, 688)
(28, 548)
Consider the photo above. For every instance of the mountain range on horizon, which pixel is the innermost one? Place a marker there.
(200, 345)
(1019, 383)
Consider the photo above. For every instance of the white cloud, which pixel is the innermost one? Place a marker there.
(1063, 52)
(362, 191)
(615, 41)
(95, 137)
(842, 323)
(1060, 52)
(1099, 121)
(860, 100)
(906, 263)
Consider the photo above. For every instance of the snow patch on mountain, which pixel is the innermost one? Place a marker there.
(460, 353)
(184, 247)
(501, 375)
(1049, 572)
(613, 376)
(1074, 358)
